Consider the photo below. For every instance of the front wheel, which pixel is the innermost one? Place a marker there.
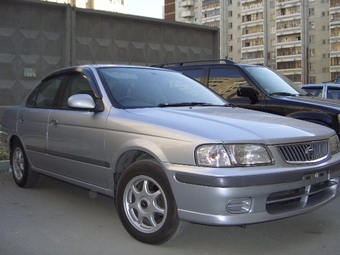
(23, 176)
(145, 203)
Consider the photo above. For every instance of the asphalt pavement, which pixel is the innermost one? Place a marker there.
(58, 218)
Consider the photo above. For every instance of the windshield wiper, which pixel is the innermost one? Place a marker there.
(188, 104)
(283, 94)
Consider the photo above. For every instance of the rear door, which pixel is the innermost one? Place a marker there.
(33, 120)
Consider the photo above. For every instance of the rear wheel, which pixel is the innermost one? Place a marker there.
(22, 174)
(145, 203)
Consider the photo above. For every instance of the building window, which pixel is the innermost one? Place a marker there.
(230, 2)
(311, 25)
(230, 13)
(230, 49)
(312, 52)
(272, 4)
(230, 37)
(311, 38)
(230, 25)
(311, 12)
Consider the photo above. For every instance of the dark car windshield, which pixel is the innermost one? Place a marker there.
(273, 83)
(143, 87)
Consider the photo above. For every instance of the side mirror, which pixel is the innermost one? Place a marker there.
(84, 101)
(247, 91)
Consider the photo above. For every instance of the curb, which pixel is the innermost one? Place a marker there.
(4, 166)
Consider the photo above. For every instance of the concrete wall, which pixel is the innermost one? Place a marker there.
(39, 37)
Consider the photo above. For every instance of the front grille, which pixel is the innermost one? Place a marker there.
(304, 152)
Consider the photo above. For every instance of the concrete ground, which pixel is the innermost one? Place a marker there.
(57, 218)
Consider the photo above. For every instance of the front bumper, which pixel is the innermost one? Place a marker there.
(206, 197)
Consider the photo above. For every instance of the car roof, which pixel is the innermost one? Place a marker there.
(71, 69)
(319, 84)
(202, 63)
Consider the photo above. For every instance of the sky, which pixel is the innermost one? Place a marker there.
(147, 8)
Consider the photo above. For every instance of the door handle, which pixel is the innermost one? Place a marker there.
(54, 123)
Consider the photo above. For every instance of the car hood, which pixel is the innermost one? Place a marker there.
(227, 124)
(319, 102)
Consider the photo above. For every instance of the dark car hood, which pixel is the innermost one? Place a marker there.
(318, 102)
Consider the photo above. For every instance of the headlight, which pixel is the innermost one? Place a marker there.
(334, 143)
(230, 155)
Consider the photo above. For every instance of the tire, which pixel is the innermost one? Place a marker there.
(23, 175)
(145, 203)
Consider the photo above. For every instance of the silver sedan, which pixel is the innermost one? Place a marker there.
(168, 150)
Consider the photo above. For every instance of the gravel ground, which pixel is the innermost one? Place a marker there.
(58, 218)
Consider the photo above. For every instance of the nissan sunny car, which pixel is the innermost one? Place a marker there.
(168, 150)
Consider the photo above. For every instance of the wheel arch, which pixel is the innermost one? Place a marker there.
(11, 143)
(126, 159)
(319, 118)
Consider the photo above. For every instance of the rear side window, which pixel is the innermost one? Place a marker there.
(194, 73)
(226, 81)
(44, 95)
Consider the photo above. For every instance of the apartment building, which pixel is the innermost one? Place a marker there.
(299, 38)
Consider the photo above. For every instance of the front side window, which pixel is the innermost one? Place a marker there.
(76, 84)
(44, 95)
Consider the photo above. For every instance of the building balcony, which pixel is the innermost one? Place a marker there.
(289, 58)
(251, 36)
(288, 17)
(289, 44)
(334, 54)
(334, 69)
(287, 3)
(247, 49)
(248, 1)
(253, 61)
(187, 14)
(334, 39)
(187, 3)
(250, 11)
(252, 23)
(288, 31)
(290, 71)
(334, 5)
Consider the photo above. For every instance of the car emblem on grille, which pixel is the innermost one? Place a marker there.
(309, 151)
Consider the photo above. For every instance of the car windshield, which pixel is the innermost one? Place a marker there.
(143, 87)
(273, 83)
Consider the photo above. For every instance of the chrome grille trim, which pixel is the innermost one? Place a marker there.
(309, 152)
